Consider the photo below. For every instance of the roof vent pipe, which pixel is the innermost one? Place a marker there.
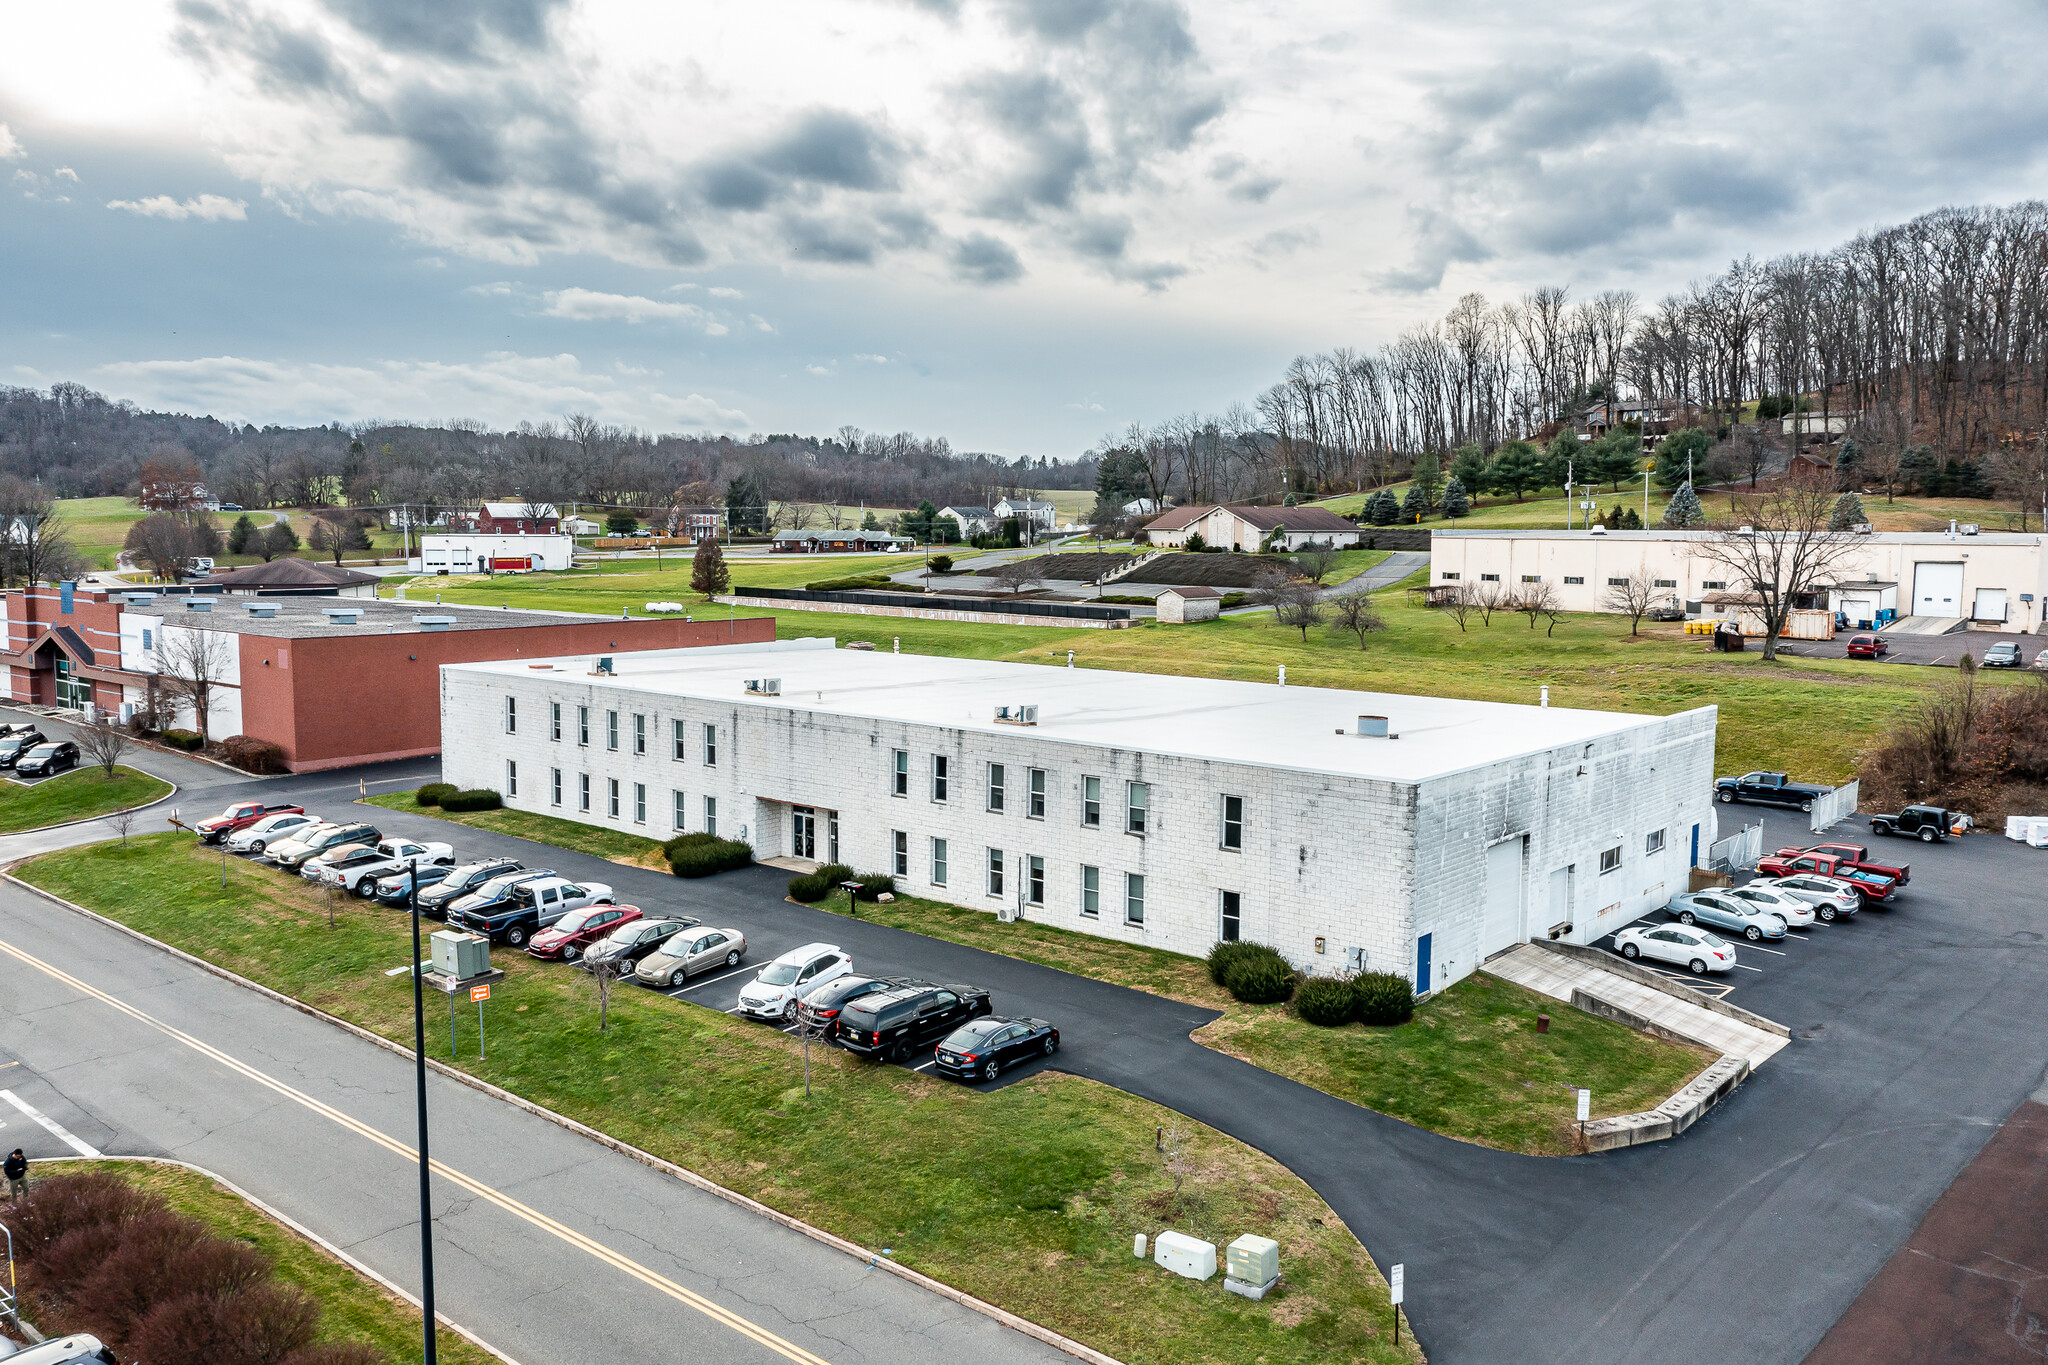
(1374, 727)
(1283, 675)
(1545, 695)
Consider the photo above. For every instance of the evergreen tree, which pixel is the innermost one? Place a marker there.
(1681, 455)
(1456, 502)
(1685, 512)
(1616, 458)
(1415, 506)
(1631, 520)
(1385, 511)
(1849, 464)
(1429, 478)
(621, 524)
(239, 535)
(279, 539)
(708, 573)
(1563, 459)
(868, 523)
(1848, 513)
(1468, 466)
(1516, 469)
(1918, 470)
(746, 504)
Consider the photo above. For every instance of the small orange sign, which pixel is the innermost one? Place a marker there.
(480, 993)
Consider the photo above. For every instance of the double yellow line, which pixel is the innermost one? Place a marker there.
(687, 1297)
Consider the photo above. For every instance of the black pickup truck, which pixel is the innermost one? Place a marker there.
(1768, 789)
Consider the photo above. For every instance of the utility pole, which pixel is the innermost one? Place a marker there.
(419, 1055)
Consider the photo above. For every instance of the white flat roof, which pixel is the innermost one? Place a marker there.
(1882, 537)
(1211, 718)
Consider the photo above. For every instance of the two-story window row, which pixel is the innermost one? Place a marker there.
(572, 722)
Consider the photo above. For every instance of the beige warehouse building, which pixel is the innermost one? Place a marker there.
(1993, 578)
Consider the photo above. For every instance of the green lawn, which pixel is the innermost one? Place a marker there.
(352, 1307)
(98, 526)
(1027, 1197)
(78, 795)
(610, 844)
(1545, 509)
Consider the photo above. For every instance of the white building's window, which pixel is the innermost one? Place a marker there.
(611, 730)
(1570, 580)
(1610, 860)
(681, 812)
(711, 815)
(1711, 583)
(554, 720)
(1489, 578)
(583, 725)
(995, 872)
(1449, 577)
(639, 803)
(511, 777)
(1091, 892)
(1035, 807)
(1034, 880)
(1137, 797)
(554, 786)
(611, 797)
(711, 746)
(583, 791)
(899, 780)
(1134, 898)
(639, 734)
(1532, 578)
(1231, 916)
(511, 715)
(939, 769)
(1653, 842)
(675, 739)
(938, 862)
(1664, 582)
(1091, 802)
(900, 846)
(1233, 822)
(996, 790)
(1617, 582)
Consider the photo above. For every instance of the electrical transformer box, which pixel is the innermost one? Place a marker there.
(461, 955)
(1185, 1255)
(1255, 1260)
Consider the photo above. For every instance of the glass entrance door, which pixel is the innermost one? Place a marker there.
(832, 835)
(804, 832)
(73, 694)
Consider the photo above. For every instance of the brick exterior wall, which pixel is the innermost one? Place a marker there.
(1364, 865)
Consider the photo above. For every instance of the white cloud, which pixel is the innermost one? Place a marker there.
(502, 389)
(588, 305)
(212, 208)
(65, 173)
(10, 146)
(722, 292)
(761, 324)
(825, 370)
(872, 359)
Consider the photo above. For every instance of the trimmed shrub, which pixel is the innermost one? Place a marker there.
(813, 887)
(1222, 955)
(942, 563)
(1262, 978)
(60, 1203)
(1326, 1001)
(873, 885)
(858, 583)
(1383, 997)
(259, 1326)
(163, 1256)
(709, 856)
(479, 798)
(253, 755)
(188, 740)
(434, 793)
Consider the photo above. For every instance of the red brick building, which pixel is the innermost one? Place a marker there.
(512, 519)
(333, 681)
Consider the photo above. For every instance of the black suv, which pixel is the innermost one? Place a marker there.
(897, 1023)
(18, 742)
(1925, 823)
(435, 899)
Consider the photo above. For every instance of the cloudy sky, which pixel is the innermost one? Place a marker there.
(1016, 223)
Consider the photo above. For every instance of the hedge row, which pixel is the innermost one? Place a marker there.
(480, 798)
(253, 755)
(701, 855)
(813, 887)
(188, 740)
(434, 793)
(1378, 998)
(1253, 972)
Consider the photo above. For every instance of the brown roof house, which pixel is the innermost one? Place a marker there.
(1183, 606)
(1248, 528)
(293, 578)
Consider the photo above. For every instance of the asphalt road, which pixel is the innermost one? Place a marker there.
(1917, 1030)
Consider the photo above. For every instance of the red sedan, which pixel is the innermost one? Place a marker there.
(1868, 647)
(568, 936)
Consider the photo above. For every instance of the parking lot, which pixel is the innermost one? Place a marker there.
(1938, 651)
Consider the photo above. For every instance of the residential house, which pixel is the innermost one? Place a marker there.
(513, 519)
(973, 521)
(816, 541)
(1031, 514)
(1249, 528)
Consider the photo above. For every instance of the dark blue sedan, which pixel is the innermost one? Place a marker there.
(983, 1049)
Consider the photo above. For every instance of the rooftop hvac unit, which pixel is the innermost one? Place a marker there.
(1863, 528)
(139, 599)
(433, 622)
(1597, 531)
(764, 687)
(1968, 528)
(603, 667)
(342, 616)
(1745, 530)
(199, 604)
(264, 610)
(1375, 727)
(1016, 715)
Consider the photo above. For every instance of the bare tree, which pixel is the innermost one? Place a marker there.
(799, 515)
(1553, 610)
(192, 663)
(2020, 471)
(121, 821)
(1790, 551)
(161, 542)
(1317, 560)
(1490, 598)
(603, 973)
(1356, 612)
(1177, 1155)
(1536, 600)
(1458, 604)
(34, 547)
(104, 742)
(1017, 574)
(1298, 606)
(1631, 597)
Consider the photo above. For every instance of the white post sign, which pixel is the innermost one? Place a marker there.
(1394, 1283)
(1585, 1105)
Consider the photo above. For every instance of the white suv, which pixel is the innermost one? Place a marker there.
(775, 993)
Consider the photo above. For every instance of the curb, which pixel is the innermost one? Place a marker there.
(875, 1260)
(292, 1225)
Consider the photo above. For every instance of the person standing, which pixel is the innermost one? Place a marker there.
(16, 1170)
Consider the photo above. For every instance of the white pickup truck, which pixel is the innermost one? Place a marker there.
(358, 869)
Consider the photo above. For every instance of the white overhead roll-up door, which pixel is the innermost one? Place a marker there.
(1503, 919)
(1990, 605)
(1937, 590)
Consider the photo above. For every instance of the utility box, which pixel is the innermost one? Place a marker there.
(461, 955)
(1185, 1255)
(1255, 1260)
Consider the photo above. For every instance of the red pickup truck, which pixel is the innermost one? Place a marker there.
(238, 816)
(1875, 881)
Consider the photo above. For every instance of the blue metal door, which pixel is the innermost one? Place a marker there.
(1422, 965)
(1695, 845)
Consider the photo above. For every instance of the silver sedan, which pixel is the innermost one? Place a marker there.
(690, 952)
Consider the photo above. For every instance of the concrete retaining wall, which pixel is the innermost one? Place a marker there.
(996, 618)
(1620, 966)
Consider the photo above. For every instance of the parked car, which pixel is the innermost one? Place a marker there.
(1857, 856)
(1872, 881)
(461, 881)
(1868, 647)
(624, 947)
(568, 936)
(1768, 789)
(215, 829)
(396, 888)
(17, 744)
(1928, 824)
(1696, 950)
(358, 871)
(48, 759)
(256, 838)
(1794, 910)
(1830, 897)
(528, 904)
(685, 955)
(981, 1050)
(81, 1348)
(820, 1008)
(294, 842)
(1746, 918)
(294, 853)
(773, 994)
(2004, 654)
(897, 1023)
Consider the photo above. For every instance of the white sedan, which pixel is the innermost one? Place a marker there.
(1797, 913)
(1694, 949)
(782, 983)
(271, 829)
(1829, 896)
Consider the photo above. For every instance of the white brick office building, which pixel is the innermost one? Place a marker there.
(1162, 810)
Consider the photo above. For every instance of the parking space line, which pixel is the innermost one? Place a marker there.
(1759, 948)
(933, 1062)
(57, 1129)
(709, 980)
(1758, 970)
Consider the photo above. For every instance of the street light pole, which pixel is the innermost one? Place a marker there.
(419, 1054)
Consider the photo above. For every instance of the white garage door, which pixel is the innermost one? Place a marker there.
(1503, 927)
(1990, 605)
(1859, 610)
(1937, 590)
